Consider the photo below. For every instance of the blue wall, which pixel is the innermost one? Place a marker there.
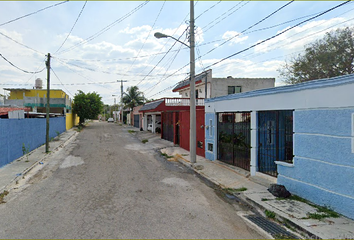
(323, 169)
(29, 131)
(210, 136)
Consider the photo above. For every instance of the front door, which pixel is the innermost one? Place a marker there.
(234, 139)
(275, 139)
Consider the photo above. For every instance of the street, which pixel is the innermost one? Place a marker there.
(108, 184)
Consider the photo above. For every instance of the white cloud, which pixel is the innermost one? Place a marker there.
(231, 34)
(296, 38)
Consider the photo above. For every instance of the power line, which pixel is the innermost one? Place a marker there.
(207, 10)
(224, 17)
(32, 13)
(18, 67)
(162, 57)
(260, 21)
(82, 9)
(106, 72)
(274, 36)
(158, 15)
(21, 43)
(105, 29)
(61, 82)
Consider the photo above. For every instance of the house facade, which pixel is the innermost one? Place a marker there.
(35, 99)
(173, 114)
(301, 135)
(208, 87)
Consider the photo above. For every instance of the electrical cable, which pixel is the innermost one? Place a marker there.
(29, 14)
(158, 15)
(207, 10)
(20, 68)
(278, 34)
(82, 9)
(105, 29)
(61, 81)
(21, 44)
(162, 58)
(260, 21)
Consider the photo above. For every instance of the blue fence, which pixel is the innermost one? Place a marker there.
(30, 132)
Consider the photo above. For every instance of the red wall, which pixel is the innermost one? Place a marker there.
(184, 118)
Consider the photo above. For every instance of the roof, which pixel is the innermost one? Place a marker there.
(321, 83)
(5, 110)
(187, 81)
(151, 105)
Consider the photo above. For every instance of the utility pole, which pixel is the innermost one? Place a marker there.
(193, 119)
(121, 95)
(47, 63)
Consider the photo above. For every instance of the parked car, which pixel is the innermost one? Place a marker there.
(110, 120)
(157, 127)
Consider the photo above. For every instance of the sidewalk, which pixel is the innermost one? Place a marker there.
(255, 194)
(14, 171)
(290, 213)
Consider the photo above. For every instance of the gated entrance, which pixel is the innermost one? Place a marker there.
(234, 138)
(136, 121)
(167, 126)
(275, 139)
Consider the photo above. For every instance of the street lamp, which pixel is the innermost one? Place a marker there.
(193, 120)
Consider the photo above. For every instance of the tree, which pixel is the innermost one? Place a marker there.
(133, 97)
(330, 56)
(87, 106)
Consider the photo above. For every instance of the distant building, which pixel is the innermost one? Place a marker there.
(36, 100)
(208, 87)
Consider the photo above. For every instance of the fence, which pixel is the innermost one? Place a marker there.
(28, 132)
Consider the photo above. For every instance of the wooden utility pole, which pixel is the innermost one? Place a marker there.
(47, 63)
(121, 95)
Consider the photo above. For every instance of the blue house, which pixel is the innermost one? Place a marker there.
(301, 136)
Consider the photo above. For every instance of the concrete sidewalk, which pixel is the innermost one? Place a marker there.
(291, 213)
(16, 170)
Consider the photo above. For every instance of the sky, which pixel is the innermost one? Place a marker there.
(96, 44)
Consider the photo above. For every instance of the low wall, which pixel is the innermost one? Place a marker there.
(71, 120)
(323, 166)
(28, 131)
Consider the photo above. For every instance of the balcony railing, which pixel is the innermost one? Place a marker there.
(183, 102)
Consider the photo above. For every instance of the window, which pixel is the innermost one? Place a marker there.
(233, 89)
(210, 128)
(210, 147)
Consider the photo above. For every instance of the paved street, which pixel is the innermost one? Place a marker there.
(107, 184)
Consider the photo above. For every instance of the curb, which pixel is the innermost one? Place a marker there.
(27, 170)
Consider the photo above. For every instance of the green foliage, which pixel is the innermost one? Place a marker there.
(25, 150)
(58, 133)
(131, 131)
(269, 214)
(331, 56)
(133, 97)
(2, 195)
(144, 141)
(87, 106)
(166, 155)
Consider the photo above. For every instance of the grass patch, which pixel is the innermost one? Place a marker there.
(322, 212)
(185, 154)
(144, 141)
(282, 236)
(265, 199)
(131, 131)
(2, 195)
(26, 161)
(234, 190)
(166, 155)
(269, 214)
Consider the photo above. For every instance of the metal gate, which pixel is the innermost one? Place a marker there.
(167, 126)
(234, 139)
(275, 139)
(136, 121)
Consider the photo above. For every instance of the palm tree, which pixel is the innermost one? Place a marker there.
(133, 97)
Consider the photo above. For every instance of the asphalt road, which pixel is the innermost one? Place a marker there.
(107, 184)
